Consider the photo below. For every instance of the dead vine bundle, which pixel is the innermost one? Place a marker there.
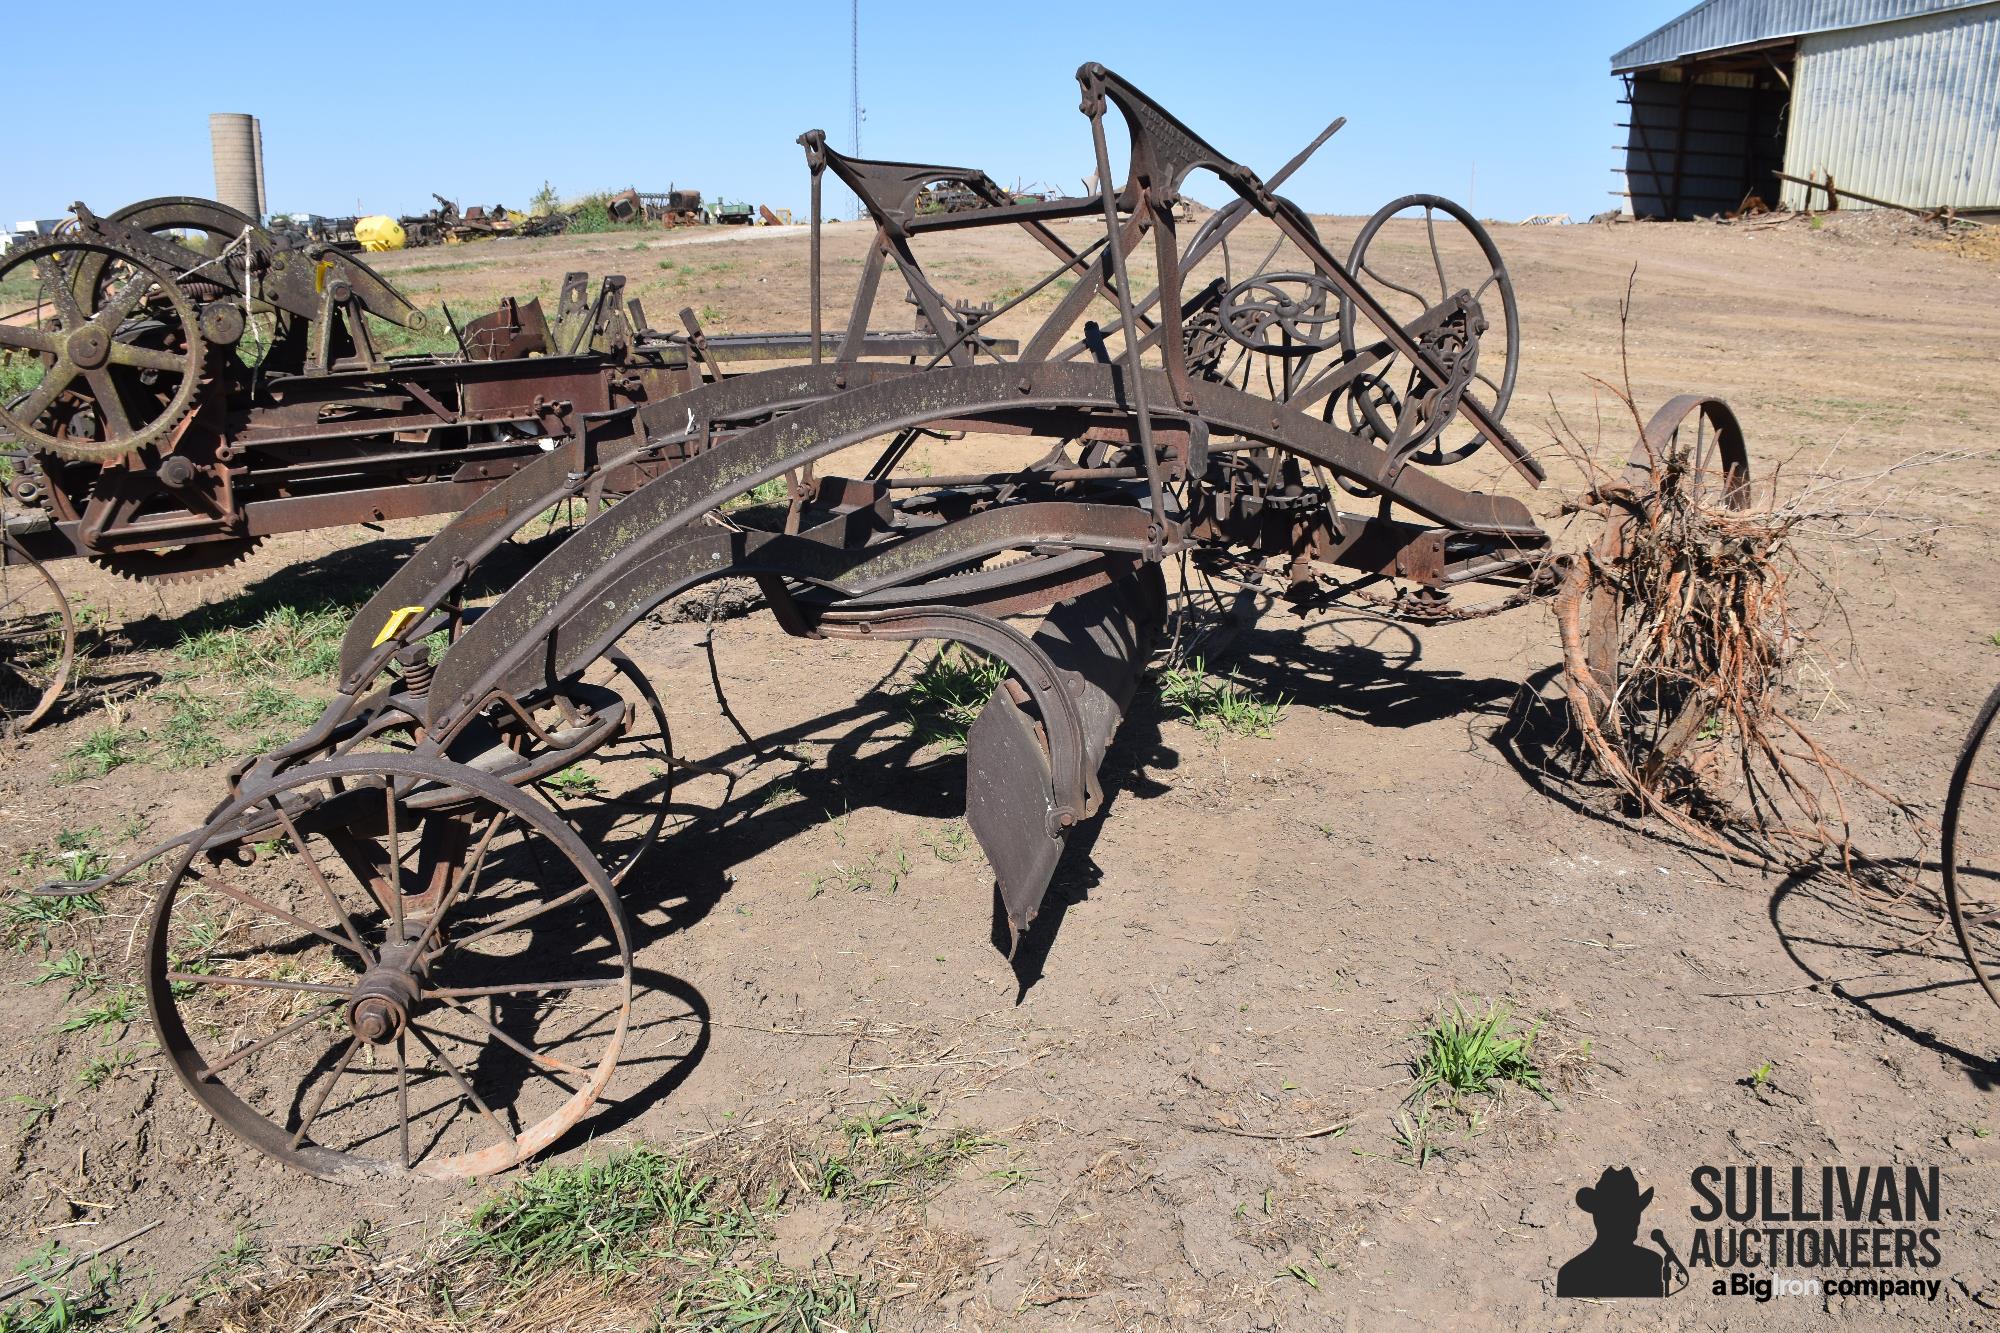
(1683, 644)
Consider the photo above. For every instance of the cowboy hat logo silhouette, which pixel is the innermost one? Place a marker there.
(1615, 1264)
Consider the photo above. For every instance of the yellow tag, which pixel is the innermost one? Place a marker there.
(320, 271)
(398, 619)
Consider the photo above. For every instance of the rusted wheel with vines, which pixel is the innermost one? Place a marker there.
(1971, 849)
(391, 964)
(37, 639)
(1636, 709)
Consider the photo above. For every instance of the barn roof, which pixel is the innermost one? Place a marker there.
(1723, 25)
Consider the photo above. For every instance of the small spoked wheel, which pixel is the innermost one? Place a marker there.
(37, 639)
(596, 749)
(1971, 849)
(1418, 277)
(389, 964)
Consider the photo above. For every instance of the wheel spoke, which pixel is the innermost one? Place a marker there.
(147, 358)
(258, 983)
(242, 1053)
(54, 380)
(26, 337)
(123, 301)
(250, 900)
(423, 1037)
(325, 1091)
(403, 1098)
(524, 987)
(395, 859)
(520, 918)
(1395, 286)
(464, 886)
(56, 281)
(1437, 260)
(112, 417)
(332, 898)
(542, 1063)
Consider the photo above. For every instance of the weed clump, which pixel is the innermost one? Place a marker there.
(945, 696)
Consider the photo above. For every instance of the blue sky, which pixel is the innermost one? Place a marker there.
(369, 107)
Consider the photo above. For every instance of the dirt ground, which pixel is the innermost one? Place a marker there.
(1239, 952)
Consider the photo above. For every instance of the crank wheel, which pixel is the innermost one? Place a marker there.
(615, 795)
(1480, 348)
(1971, 849)
(120, 365)
(1692, 444)
(388, 964)
(37, 639)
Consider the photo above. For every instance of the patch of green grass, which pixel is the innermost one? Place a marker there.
(75, 855)
(603, 1218)
(1463, 1053)
(884, 870)
(1413, 1139)
(119, 1008)
(102, 749)
(34, 1111)
(765, 1295)
(1218, 706)
(74, 968)
(101, 1069)
(886, 1150)
(944, 697)
(573, 783)
(187, 738)
(284, 642)
(19, 372)
(953, 843)
(63, 1299)
(26, 915)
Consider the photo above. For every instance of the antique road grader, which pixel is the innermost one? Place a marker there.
(200, 383)
(399, 946)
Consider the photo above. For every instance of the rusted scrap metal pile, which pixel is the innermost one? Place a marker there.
(433, 971)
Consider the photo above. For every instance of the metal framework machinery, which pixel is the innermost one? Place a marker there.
(457, 976)
(202, 383)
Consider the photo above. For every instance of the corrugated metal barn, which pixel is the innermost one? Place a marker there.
(1898, 100)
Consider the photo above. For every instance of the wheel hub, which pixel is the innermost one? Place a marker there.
(380, 1009)
(89, 347)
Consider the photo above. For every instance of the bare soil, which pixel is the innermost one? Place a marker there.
(1239, 952)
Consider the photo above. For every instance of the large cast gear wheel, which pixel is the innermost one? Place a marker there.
(179, 564)
(121, 362)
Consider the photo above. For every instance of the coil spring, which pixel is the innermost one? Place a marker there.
(417, 674)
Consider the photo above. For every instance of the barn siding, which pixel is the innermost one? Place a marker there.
(1906, 111)
(1720, 24)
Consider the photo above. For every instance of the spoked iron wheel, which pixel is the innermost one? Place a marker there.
(1694, 449)
(616, 795)
(1972, 847)
(37, 639)
(385, 964)
(1480, 350)
(119, 362)
(597, 750)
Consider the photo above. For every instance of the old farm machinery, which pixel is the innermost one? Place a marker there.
(197, 383)
(394, 948)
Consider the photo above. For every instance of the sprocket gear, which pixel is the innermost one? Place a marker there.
(178, 564)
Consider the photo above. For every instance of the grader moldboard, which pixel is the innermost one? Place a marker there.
(204, 383)
(399, 944)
